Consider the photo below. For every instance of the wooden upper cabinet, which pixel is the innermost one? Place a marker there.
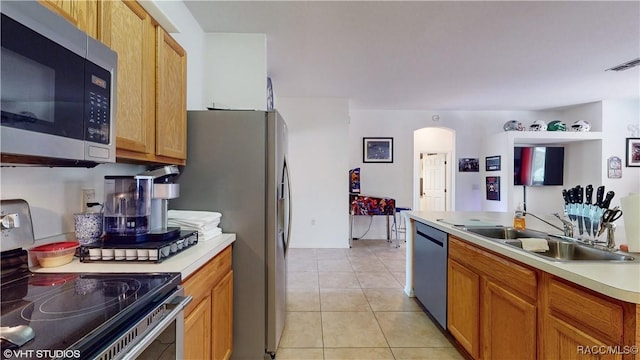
(127, 29)
(151, 104)
(81, 13)
(171, 100)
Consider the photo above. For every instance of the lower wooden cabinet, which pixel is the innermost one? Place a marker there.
(501, 309)
(565, 341)
(197, 331)
(208, 329)
(463, 310)
(508, 324)
(581, 324)
(222, 317)
(492, 309)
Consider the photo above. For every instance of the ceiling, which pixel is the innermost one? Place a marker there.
(441, 55)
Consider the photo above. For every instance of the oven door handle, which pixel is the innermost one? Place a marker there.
(176, 305)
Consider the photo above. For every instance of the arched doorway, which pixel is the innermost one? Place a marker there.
(433, 169)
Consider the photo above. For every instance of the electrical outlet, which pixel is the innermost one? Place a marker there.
(88, 196)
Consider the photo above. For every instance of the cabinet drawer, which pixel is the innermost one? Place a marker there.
(584, 309)
(503, 271)
(199, 284)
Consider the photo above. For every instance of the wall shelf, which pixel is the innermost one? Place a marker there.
(548, 137)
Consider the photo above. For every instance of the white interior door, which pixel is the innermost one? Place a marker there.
(433, 189)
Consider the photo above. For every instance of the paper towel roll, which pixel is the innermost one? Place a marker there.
(631, 214)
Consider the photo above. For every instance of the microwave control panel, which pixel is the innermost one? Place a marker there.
(97, 104)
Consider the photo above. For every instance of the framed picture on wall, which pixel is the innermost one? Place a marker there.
(377, 150)
(492, 163)
(493, 188)
(468, 165)
(633, 152)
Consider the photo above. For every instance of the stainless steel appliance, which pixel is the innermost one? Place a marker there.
(58, 90)
(430, 266)
(136, 220)
(135, 207)
(83, 316)
(237, 165)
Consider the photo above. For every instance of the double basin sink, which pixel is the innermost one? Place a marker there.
(562, 249)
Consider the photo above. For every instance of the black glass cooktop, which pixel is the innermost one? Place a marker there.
(77, 311)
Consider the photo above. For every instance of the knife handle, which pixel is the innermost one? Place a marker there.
(589, 194)
(607, 199)
(565, 196)
(572, 196)
(599, 195)
(579, 194)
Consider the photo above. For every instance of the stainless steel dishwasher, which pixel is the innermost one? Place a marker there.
(430, 270)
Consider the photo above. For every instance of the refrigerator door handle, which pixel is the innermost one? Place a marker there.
(288, 185)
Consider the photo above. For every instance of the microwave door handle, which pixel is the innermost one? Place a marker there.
(176, 305)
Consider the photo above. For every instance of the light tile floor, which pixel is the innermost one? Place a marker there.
(349, 304)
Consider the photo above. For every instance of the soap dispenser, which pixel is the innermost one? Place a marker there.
(519, 223)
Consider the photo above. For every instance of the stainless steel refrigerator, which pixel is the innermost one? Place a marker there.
(237, 165)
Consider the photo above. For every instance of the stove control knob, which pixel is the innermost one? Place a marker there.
(10, 221)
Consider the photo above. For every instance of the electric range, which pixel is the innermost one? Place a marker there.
(112, 316)
(75, 316)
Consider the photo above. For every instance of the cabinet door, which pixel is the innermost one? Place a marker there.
(463, 317)
(127, 29)
(81, 13)
(197, 331)
(171, 102)
(564, 341)
(508, 324)
(222, 318)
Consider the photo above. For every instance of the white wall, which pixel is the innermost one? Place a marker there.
(235, 71)
(617, 117)
(54, 194)
(319, 161)
(590, 112)
(397, 180)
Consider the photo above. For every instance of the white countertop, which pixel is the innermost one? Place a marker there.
(185, 262)
(617, 280)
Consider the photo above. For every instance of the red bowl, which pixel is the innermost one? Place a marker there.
(55, 254)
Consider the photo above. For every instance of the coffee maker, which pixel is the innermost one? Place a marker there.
(135, 207)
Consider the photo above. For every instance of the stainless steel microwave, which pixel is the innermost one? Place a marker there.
(57, 90)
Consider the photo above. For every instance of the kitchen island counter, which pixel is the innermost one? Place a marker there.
(185, 262)
(617, 280)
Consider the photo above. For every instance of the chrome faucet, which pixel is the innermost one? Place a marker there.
(567, 226)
